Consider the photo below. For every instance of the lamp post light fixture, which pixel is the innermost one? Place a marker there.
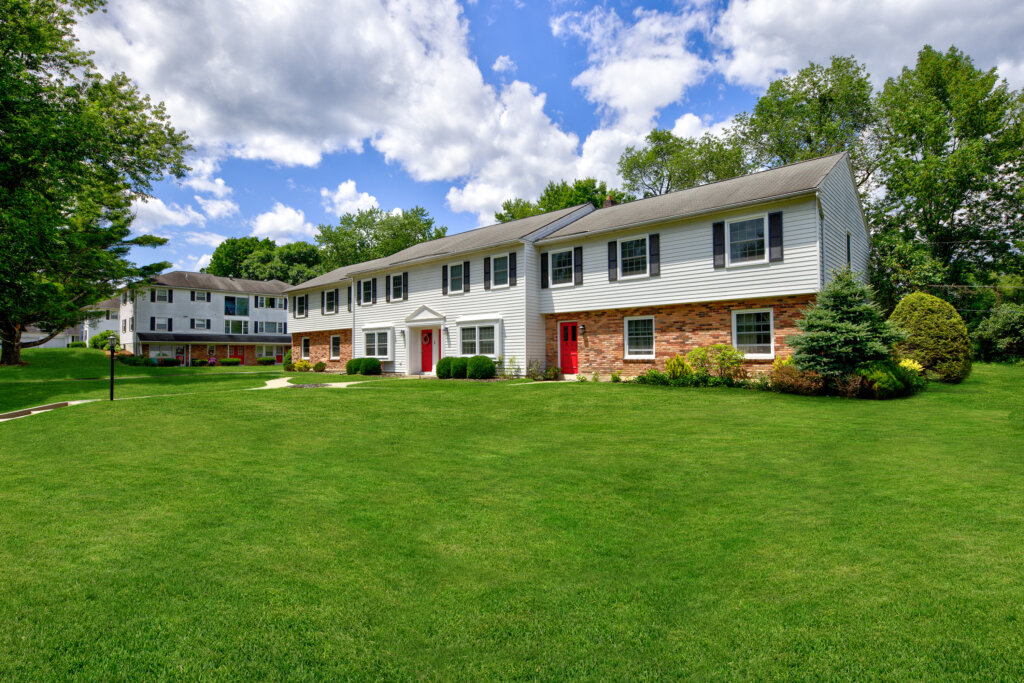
(112, 344)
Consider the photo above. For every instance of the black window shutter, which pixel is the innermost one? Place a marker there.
(544, 270)
(323, 301)
(405, 286)
(512, 269)
(848, 254)
(152, 323)
(285, 303)
(444, 279)
(718, 243)
(654, 253)
(305, 305)
(207, 323)
(577, 265)
(387, 288)
(192, 323)
(775, 236)
(152, 296)
(359, 292)
(337, 302)
(465, 276)
(350, 298)
(293, 307)
(170, 296)
(373, 291)
(613, 261)
(193, 295)
(487, 272)
(170, 325)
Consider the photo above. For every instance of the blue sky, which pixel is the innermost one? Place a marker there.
(305, 109)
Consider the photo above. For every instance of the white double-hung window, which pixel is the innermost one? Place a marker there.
(377, 344)
(633, 261)
(561, 268)
(747, 241)
(499, 271)
(639, 337)
(478, 340)
(753, 332)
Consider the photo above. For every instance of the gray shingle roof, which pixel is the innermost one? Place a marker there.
(779, 182)
(469, 240)
(111, 304)
(187, 280)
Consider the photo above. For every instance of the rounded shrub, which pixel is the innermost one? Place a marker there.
(459, 365)
(370, 366)
(303, 366)
(481, 367)
(886, 379)
(77, 345)
(936, 336)
(444, 368)
(266, 360)
(320, 366)
(1000, 336)
(99, 341)
(289, 367)
(229, 361)
(353, 366)
(199, 362)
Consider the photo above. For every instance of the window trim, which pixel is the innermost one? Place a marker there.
(330, 348)
(330, 310)
(243, 323)
(476, 325)
(647, 256)
(625, 338)
(156, 323)
(200, 320)
(572, 268)
(211, 350)
(728, 241)
(388, 331)
(366, 287)
(462, 277)
(304, 298)
(771, 320)
(401, 284)
(494, 260)
(304, 348)
(235, 298)
(156, 295)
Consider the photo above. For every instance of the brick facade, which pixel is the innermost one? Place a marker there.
(677, 329)
(320, 347)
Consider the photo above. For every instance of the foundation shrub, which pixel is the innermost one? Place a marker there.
(288, 356)
(289, 367)
(77, 345)
(266, 360)
(230, 361)
(370, 366)
(789, 379)
(534, 372)
(885, 379)
(936, 336)
(303, 366)
(552, 373)
(353, 365)
(676, 367)
(459, 366)
(199, 362)
(480, 367)
(581, 378)
(320, 366)
(616, 377)
(652, 376)
(718, 360)
(444, 368)
(99, 341)
(168, 362)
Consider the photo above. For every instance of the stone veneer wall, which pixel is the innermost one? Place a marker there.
(677, 329)
(320, 347)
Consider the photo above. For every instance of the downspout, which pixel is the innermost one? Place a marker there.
(821, 241)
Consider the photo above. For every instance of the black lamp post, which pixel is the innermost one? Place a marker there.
(112, 344)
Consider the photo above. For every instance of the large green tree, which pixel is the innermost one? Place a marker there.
(76, 149)
(949, 138)
(373, 233)
(817, 111)
(228, 257)
(559, 195)
(292, 263)
(667, 162)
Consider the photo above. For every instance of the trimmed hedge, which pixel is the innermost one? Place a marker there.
(199, 362)
(459, 366)
(231, 361)
(353, 365)
(480, 367)
(266, 360)
(77, 345)
(444, 368)
(936, 336)
(370, 366)
(168, 362)
(320, 366)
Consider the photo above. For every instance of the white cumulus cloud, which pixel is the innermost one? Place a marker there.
(217, 208)
(504, 64)
(283, 224)
(346, 199)
(209, 239)
(152, 214)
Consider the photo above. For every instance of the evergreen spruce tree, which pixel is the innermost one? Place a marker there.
(842, 330)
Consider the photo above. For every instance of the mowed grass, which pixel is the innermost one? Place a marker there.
(453, 530)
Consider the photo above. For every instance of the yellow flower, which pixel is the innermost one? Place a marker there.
(911, 364)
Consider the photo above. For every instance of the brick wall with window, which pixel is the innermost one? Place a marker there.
(320, 347)
(676, 329)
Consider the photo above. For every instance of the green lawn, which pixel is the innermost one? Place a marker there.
(454, 530)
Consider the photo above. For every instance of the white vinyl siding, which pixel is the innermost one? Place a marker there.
(840, 207)
(314, 320)
(687, 266)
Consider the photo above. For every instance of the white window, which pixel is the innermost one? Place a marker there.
(111, 315)
(561, 267)
(162, 350)
(456, 281)
(746, 241)
(161, 296)
(477, 340)
(161, 324)
(499, 272)
(633, 258)
(300, 305)
(236, 305)
(200, 296)
(199, 323)
(211, 350)
(639, 337)
(377, 345)
(305, 348)
(753, 332)
(236, 327)
(396, 287)
(335, 347)
(131, 324)
(367, 287)
(330, 303)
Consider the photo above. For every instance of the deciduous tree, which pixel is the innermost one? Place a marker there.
(373, 233)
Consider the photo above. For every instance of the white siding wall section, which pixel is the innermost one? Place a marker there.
(182, 310)
(504, 307)
(687, 268)
(314, 319)
(535, 342)
(842, 214)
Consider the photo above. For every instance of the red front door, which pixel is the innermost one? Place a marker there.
(569, 348)
(237, 352)
(427, 350)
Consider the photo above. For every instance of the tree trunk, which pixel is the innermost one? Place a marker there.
(10, 351)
